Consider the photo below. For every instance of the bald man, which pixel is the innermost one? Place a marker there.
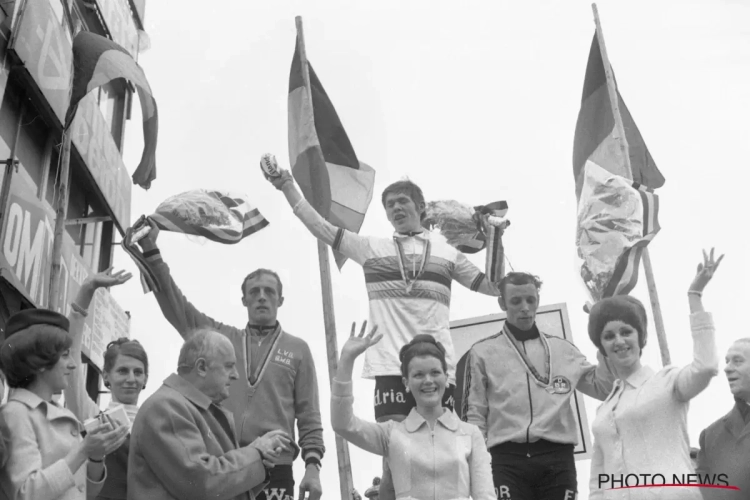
(183, 444)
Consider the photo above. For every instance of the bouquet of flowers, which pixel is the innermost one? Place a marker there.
(472, 229)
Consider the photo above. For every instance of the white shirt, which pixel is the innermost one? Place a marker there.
(641, 428)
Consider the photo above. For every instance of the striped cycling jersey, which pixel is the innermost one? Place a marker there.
(408, 279)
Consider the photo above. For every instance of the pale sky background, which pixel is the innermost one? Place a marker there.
(475, 102)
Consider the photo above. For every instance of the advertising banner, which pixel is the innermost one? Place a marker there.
(42, 41)
(119, 21)
(26, 247)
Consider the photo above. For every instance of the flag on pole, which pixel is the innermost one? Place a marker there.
(324, 163)
(617, 217)
(98, 60)
(595, 129)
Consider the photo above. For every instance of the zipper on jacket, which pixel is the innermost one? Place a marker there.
(434, 479)
(531, 408)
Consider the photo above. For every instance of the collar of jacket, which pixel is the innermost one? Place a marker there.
(422, 234)
(32, 401)
(523, 335)
(734, 422)
(640, 377)
(263, 331)
(26, 397)
(744, 408)
(188, 390)
(414, 421)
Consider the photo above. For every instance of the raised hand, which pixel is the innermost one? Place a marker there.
(148, 242)
(705, 271)
(278, 182)
(357, 344)
(106, 279)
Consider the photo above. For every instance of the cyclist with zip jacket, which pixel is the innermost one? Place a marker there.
(519, 383)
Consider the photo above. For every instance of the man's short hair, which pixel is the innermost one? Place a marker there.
(408, 188)
(260, 272)
(518, 279)
(200, 343)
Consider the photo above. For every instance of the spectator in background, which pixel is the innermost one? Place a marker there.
(725, 444)
(125, 375)
(47, 459)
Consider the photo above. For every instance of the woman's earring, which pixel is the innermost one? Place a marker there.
(407, 389)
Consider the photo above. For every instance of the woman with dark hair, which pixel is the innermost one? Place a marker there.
(125, 374)
(47, 457)
(431, 454)
(641, 428)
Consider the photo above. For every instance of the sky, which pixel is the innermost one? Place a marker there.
(475, 102)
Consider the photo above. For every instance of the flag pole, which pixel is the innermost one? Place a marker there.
(61, 210)
(342, 448)
(621, 140)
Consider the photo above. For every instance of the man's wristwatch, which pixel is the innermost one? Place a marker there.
(313, 461)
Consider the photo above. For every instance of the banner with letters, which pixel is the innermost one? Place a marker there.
(43, 43)
(26, 249)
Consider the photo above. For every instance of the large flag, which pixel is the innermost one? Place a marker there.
(617, 217)
(596, 126)
(98, 60)
(324, 164)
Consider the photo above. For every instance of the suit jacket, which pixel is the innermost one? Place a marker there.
(725, 449)
(40, 434)
(183, 447)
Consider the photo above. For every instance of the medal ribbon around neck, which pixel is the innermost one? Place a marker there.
(538, 378)
(409, 283)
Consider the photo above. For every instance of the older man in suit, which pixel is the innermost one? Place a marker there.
(183, 444)
(724, 457)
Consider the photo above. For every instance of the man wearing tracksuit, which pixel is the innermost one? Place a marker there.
(519, 383)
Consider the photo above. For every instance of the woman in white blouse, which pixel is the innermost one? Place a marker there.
(641, 428)
(431, 454)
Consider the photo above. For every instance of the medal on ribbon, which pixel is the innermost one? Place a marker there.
(409, 281)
